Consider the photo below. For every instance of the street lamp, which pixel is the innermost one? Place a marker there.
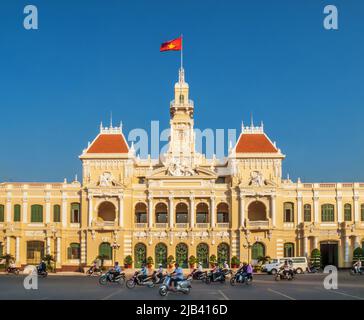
(248, 246)
(115, 246)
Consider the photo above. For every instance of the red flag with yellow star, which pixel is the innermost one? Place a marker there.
(175, 45)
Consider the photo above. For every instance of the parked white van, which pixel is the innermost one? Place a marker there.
(300, 264)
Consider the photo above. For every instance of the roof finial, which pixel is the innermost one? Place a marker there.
(110, 119)
(101, 126)
(251, 120)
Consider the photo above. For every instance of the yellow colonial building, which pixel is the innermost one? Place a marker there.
(181, 204)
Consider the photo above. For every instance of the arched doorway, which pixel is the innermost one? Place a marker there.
(257, 211)
(140, 254)
(182, 255)
(202, 251)
(161, 255)
(258, 250)
(223, 253)
(35, 252)
(105, 251)
(107, 211)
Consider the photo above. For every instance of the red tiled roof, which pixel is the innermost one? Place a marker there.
(255, 143)
(109, 143)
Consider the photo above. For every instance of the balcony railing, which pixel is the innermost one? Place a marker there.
(223, 225)
(161, 225)
(140, 225)
(258, 224)
(105, 224)
(202, 225)
(181, 225)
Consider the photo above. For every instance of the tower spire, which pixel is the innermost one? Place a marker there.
(110, 119)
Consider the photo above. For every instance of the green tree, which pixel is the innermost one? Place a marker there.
(358, 254)
(49, 259)
(316, 258)
(8, 258)
(128, 260)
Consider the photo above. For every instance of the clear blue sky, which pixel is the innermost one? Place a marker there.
(272, 58)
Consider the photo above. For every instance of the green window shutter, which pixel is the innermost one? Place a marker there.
(17, 213)
(69, 253)
(362, 212)
(56, 213)
(36, 213)
(105, 250)
(347, 212)
(1, 213)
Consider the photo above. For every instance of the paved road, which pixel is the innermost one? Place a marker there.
(304, 287)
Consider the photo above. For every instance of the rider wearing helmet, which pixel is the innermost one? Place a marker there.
(143, 273)
(357, 266)
(177, 275)
(115, 271)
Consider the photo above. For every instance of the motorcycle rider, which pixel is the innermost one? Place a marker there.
(42, 267)
(115, 271)
(199, 270)
(287, 268)
(177, 276)
(215, 271)
(143, 273)
(249, 271)
(12, 265)
(159, 272)
(357, 266)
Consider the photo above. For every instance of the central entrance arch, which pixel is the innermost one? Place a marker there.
(329, 253)
(106, 211)
(257, 211)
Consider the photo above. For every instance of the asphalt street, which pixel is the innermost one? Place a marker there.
(264, 287)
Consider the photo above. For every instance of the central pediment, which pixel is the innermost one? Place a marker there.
(198, 173)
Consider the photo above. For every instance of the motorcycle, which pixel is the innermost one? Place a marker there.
(227, 272)
(196, 275)
(94, 272)
(313, 269)
(241, 277)
(217, 277)
(282, 275)
(10, 270)
(108, 277)
(183, 286)
(355, 272)
(135, 281)
(42, 273)
(158, 278)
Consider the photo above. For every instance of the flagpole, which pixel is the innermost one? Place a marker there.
(182, 51)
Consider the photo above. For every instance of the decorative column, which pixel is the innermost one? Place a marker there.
(242, 209)
(305, 246)
(273, 209)
(212, 211)
(64, 209)
(339, 204)
(150, 211)
(299, 207)
(83, 247)
(346, 250)
(90, 210)
(17, 249)
(8, 239)
(58, 254)
(121, 211)
(316, 206)
(48, 245)
(171, 211)
(47, 208)
(25, 207)
(315, 242)
(356, 208)
(8, 207)
(192, 211)
(356, 242)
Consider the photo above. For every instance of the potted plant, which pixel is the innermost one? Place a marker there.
(49, 259)
(235, 262)
(316, 258)
(128, 261)
(358, 254)
(170, 261)
(150, 262)
(213, 260)
(7, 257)
(192, 261)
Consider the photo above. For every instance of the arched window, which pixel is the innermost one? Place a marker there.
(181, 99)
(105, 250)
(202, 252)
(362, 212)
(288, 213)
(140, 213)
(36, 213)
(258, 250)
(17, 208)
(257, 211)
(289, 250)
(223, 253)
(202, 213)
(106, 212)
(347, 212)
(307, 213)
(75, 213)
(1, 213)
(56, 213)
(161, 214)
(222, 213)
(74, 251)
(182, 255)
(161, 254)
(181, 213)
(327, 213)
(140, 254)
